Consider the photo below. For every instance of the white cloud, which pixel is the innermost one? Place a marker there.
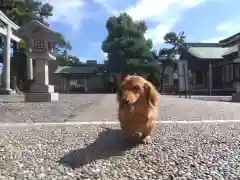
(67, 12)
(165, 13)
(157, 33)
(229, 27)
(155, 9)
(105, 55)
(226, 29)
(108, 6)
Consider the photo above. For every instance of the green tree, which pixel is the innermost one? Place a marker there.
(168, 56)
(68, 61)
(125, 40)
(22, 12)
(73, 60)
(61, 50)
(154, 78)
(62, 45)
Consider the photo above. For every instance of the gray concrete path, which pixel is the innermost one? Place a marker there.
(170, 109)
(14, 110)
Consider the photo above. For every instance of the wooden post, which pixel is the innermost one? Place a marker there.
(185, 79)
(6, 60)
(210, 78)
(178, 81)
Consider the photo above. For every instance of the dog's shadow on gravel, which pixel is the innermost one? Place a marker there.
(109, 143)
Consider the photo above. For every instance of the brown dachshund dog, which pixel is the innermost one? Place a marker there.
(138, 111)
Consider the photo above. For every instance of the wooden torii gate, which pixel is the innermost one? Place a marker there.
(7, 28)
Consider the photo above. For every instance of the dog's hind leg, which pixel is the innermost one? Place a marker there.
(147, 133)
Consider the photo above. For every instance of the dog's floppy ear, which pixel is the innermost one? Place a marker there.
(127, 78)
(119, 92)
(151, 94)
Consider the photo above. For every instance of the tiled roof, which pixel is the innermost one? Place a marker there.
(75, 70)
(231, 38)
(207, 52)
(204, 44)
(231, 50)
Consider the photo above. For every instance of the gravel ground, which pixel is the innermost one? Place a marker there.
(13, 108)
(186, 152)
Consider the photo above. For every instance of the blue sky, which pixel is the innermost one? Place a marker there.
(83, 21)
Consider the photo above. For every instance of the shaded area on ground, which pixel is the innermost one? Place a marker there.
(109, 143)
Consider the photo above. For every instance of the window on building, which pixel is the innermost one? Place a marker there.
(38, 44)
(237, 71)
(231, 72)
(227, 73)
(166, 78)
(199, 77)
(223, 74)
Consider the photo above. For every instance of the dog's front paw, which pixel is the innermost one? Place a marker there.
(147, 140)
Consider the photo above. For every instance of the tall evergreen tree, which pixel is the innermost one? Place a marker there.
(125, 40)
